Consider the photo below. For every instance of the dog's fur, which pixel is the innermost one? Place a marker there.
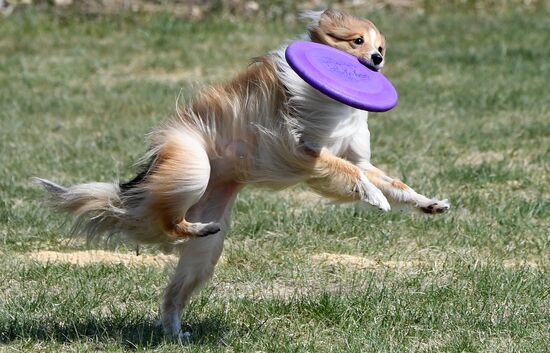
(266, 127)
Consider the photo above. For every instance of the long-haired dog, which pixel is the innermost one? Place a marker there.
(266, 127)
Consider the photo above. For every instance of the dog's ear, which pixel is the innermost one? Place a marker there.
(332, 23)
(332, 15)
(315, 18)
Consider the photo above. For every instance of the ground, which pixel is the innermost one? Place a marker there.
(78, 94)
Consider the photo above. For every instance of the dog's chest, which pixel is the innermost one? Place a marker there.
(336, 129)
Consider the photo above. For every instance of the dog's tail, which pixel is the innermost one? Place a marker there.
(106, 209)
(150, 208)
(97, 206)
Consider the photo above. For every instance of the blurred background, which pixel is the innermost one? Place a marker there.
(266, 9)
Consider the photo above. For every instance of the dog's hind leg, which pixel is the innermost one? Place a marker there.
(178, 179)
(198, 256)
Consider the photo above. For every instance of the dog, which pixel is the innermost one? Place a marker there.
(265, 127)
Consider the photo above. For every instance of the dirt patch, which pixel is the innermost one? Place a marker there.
(83, 258)
(477, 158)
(522, 264)
(113, 77)
(360, 262)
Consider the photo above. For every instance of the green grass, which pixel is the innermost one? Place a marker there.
(77, 96)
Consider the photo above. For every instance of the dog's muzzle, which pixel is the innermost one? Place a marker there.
(376, 59)
(373, 62)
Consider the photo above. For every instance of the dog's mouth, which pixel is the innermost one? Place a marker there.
(370, 65)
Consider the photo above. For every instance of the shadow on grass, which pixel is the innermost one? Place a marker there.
(132, 334)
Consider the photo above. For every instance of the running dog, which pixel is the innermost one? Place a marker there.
(265, 127)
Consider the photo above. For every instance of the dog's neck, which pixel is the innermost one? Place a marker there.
(318, 118)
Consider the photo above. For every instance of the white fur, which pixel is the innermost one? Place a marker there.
(322, 120)
(372, 194)
(373, 35)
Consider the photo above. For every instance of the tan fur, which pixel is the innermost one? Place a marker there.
(382, 181)
(265, 127)
(399, 185)
(335, 177)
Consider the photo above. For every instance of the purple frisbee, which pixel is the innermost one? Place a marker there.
(341, 76)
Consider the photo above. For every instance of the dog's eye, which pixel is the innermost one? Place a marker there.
(358, 41)
(380, 49)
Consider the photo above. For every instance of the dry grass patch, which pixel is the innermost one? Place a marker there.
(476, 158)
(194, 75)
(359, 262)
(83, 258)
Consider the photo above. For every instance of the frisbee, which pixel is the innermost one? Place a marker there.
(341, 76)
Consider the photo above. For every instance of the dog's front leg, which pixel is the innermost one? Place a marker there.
(339, 179)
(398, 192)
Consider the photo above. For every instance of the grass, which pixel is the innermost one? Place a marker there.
(78, 94)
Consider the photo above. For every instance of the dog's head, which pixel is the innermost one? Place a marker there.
(353, 35)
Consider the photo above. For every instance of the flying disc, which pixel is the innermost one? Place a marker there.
(341, 76)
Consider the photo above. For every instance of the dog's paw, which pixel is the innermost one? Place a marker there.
(182, 336)
(208, 229)
(372, 195)
(196, 230)
(203, 229)
(185, 333)
(436, 206)
(176, 332)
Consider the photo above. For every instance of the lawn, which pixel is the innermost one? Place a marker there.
(78, 94)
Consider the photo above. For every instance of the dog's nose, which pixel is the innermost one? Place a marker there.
(376, 58)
